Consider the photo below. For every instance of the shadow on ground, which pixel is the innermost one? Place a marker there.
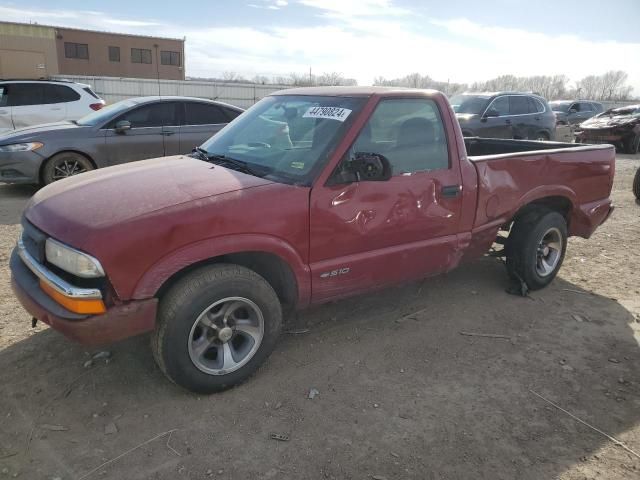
(402, 394)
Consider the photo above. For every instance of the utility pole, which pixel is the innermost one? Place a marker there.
(310, 77)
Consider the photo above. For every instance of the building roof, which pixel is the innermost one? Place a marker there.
(59, 27)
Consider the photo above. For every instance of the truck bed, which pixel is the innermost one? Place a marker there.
(514, 173)
(479, 147)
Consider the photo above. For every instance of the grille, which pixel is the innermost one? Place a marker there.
(34, 241)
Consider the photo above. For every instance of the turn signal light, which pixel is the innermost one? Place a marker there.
(96, 106)
(73, 304)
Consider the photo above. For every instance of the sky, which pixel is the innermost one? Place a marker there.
(459, 41)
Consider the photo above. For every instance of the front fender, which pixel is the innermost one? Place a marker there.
(154, 277)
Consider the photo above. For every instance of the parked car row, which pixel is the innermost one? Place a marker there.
(125, 131)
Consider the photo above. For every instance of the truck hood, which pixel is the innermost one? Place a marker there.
(97, 200)
(26, 133)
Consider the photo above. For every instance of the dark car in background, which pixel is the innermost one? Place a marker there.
(617, 126)
(126, 131)
(573, 112)
(504, 115)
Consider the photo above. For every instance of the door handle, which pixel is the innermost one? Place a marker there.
(167, 134)
(56, 108)
(508, 122)
(537, 118)
(451, 191)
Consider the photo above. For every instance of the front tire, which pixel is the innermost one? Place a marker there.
(536, 247)
(215, 327)
(636, 184)
(64, 165)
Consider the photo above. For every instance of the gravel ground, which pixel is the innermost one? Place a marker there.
(402, 393)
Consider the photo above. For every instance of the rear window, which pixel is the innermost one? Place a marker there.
(203, 114)
(59, 94)
(231, 113)
(534, 105)
(91, 92)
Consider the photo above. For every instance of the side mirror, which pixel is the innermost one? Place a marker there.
(573, 110)
(122, 126)
(370, 167)
(491, 113)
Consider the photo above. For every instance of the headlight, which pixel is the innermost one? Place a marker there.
(72, 261)
(21, 147)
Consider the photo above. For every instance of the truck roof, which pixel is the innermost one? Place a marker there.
(354, 91)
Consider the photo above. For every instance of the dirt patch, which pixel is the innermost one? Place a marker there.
(402, 394)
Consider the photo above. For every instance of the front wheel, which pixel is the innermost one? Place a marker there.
(215, 327)
(63, 165)
(636, 184)
(536, 247)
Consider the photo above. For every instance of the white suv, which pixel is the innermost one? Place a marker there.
(24, 103)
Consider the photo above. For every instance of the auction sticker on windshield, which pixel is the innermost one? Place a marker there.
(334, 113)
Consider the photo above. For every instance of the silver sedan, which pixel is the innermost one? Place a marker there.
(126, 131)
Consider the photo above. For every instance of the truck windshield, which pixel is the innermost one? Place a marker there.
(474, 104)
(286, 137)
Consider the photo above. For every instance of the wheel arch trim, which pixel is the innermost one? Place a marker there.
(205, 250)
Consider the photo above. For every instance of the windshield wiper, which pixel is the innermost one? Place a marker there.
(223, 160)
(238, 165)
(200, 153)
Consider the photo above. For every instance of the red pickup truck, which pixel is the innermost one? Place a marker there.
(311, 195)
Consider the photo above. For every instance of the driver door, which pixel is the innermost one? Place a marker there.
(368, 234)
(146, 137)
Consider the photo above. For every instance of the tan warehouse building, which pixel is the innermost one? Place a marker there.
(39, 51)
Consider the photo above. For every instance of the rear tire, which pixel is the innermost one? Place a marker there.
(536, 247)
(64, 165)
(215, 327)
(542, 136)
(636, 184)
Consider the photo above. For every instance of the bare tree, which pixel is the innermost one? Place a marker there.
(609, 86)
(232, 77)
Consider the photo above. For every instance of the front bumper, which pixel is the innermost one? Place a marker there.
(117, 323)
(20, 167)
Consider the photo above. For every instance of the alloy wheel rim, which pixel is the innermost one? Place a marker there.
(226, 335)
(549, 252)
(67, 168)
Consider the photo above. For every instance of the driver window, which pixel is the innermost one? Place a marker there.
(409, 132)
(575, 106)
(154, 115)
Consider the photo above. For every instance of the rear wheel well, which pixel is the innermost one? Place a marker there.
(559, 204)
(269, 266)
(64, 151)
